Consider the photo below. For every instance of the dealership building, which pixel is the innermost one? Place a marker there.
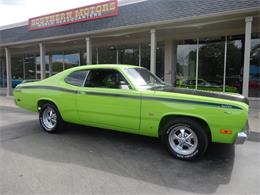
(199, 44)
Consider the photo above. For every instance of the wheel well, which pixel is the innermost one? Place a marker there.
(170, 117)
(41, 102)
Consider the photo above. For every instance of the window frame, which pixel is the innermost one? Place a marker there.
(87, 72)
(114, 69)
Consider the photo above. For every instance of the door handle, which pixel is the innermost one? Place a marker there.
(81, 92)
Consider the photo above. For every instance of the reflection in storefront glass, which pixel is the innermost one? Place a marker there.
(234, 68)
(71, 60)
(57, 63)
(2, 74)
(17, 70)
(211, 64)
(38, 67)
(107, 55)
(211, 55)
(29, 67)
(160, 61)
(186, 64)
(254, 71)
(83, 56)
(128, 55)
(145, 55)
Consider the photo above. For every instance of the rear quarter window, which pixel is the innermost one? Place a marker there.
(76, 78)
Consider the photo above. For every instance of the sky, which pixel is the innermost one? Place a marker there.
(14, 11)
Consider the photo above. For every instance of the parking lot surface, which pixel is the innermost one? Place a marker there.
(85, 160)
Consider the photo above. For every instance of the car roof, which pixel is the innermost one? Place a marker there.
(104, 66)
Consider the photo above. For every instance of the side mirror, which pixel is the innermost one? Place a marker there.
(123, 85)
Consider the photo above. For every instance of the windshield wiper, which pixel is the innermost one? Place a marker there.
(152, 84)
(159, 85)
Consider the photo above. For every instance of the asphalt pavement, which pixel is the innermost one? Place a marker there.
(85, 160)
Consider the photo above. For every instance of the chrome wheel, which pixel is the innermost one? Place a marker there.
(49, 118)
(183, 140)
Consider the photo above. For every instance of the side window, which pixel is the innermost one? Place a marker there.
(106, 78)
(76, 78)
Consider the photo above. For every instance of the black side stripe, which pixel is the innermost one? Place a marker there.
(47, 87)
(111, 94)
(163, 99)
(18, 89)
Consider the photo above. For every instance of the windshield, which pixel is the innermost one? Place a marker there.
(143, 78)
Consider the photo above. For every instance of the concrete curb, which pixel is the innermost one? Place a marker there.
(254, 136)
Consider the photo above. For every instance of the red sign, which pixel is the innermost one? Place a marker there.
(90, 12)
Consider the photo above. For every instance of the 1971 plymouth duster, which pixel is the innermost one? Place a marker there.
(133, 100)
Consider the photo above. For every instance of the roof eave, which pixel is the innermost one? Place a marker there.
(142, 25)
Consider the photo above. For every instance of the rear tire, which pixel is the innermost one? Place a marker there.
(185, 138)
(50, 118)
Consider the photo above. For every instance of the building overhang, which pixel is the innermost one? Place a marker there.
(181, 23)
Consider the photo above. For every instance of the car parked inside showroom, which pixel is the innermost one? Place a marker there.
(202, 84)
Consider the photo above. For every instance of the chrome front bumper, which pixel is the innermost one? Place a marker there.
(242, 136)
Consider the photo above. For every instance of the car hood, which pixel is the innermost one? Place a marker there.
(219, 95)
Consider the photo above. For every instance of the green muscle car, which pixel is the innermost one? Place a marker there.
(133, 100)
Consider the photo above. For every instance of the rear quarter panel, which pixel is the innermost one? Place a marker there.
(28, 96)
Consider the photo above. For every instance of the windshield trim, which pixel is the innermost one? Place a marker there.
(145, 86)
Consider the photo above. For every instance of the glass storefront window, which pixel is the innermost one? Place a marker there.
(160, 61)
(83, 56)
(128, 55)
(186, 64)
(47, 67)
(234, 67)
(107, 55)
(57, 63)
(17, 70)
(254, 71)
(71, 60)
(2, 75)
(145, 55)
(211, 64)
(94, 56)
(29, 68)
(23, 68)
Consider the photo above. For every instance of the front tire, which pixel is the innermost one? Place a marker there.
(185, 138)
(50, 118)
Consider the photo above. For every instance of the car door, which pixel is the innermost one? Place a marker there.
(108, 100)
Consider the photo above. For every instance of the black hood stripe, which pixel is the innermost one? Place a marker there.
(219, 105)
(193, 102)
(202, 93)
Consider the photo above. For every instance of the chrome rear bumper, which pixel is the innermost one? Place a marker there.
(243, 135)
(241, 138)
